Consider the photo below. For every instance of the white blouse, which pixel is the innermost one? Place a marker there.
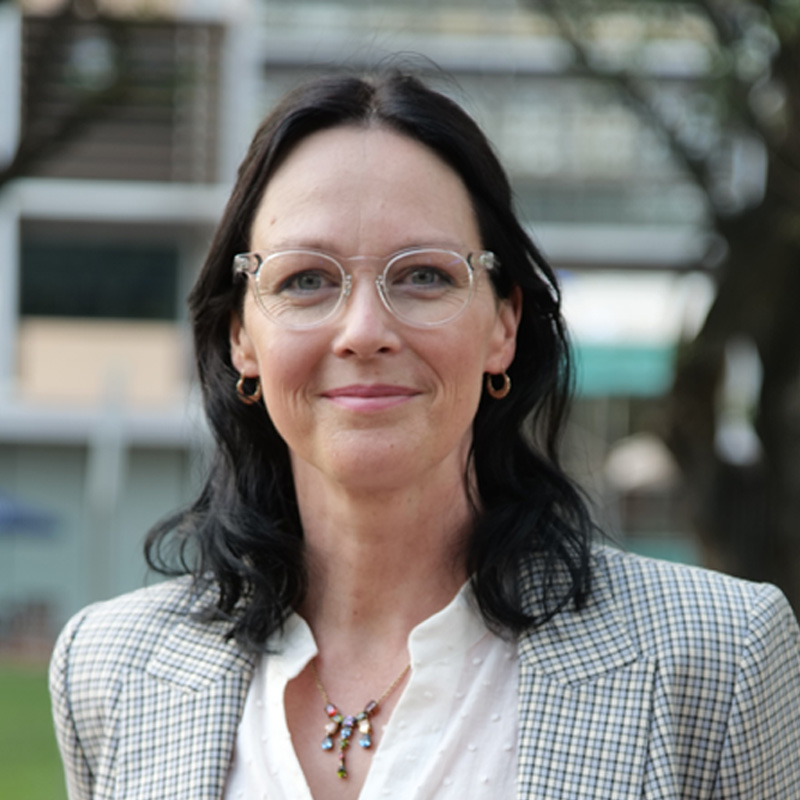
(453, 733)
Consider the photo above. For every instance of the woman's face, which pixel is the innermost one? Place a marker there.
(365, 399)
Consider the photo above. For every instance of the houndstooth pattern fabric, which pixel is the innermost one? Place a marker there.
(673, 683)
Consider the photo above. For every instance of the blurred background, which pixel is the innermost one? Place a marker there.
(654, 149)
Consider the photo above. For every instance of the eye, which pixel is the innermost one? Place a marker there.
(428, 276)
(421, 276)
(299, 274)
(308, 281)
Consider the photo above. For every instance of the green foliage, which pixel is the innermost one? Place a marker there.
(30, 767)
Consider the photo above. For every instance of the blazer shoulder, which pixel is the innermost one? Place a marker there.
(95, 654)
(674, 607)
(125, 630)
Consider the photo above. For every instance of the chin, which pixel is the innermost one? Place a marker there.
(393, 468)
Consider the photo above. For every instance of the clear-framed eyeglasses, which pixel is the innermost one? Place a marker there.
(422, 287)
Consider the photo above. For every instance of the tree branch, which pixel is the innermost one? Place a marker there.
(93, 105)
(631, 93)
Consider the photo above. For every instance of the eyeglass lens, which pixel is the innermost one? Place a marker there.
(303, 288)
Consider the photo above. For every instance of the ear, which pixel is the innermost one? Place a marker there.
(503, 344)
(243, 352)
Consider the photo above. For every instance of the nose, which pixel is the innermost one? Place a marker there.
(365, 326)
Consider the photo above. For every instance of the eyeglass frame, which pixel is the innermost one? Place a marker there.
(243, 264)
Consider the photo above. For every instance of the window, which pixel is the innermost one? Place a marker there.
(118, 279)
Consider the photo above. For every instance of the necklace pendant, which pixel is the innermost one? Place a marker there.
(341, 771)
(347, 728)
(345, 725)
(332, 726)
(365, 729)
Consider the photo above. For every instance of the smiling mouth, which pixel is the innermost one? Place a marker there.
(372, 390)
(373, 397)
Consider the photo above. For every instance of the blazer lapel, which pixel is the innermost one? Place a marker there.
(181, 715)
(585, 699)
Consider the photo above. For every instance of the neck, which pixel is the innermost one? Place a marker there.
(380, 562)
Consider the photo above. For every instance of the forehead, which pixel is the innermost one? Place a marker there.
(364, 190)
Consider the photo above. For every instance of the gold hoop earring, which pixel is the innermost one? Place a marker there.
(498, 393)
(253, 397)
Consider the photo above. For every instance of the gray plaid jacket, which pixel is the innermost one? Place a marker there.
(672, 683)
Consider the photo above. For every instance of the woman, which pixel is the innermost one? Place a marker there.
(392, 589)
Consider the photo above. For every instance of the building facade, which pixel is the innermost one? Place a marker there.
(130, 128)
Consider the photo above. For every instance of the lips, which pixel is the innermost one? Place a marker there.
(370, 397)
(371, 390)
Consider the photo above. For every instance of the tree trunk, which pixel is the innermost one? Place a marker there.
(746, 516)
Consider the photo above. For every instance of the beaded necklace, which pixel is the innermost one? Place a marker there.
(344, 724)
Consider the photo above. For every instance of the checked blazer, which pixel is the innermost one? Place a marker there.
(673, 682)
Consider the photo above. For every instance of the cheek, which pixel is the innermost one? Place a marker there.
(282, 392)
(284, 358)
(460, 371)
(288, 369)
(283, 373)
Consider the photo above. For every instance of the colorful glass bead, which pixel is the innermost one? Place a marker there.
(344, 726)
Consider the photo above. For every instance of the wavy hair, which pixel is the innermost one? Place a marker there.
(243, 532)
